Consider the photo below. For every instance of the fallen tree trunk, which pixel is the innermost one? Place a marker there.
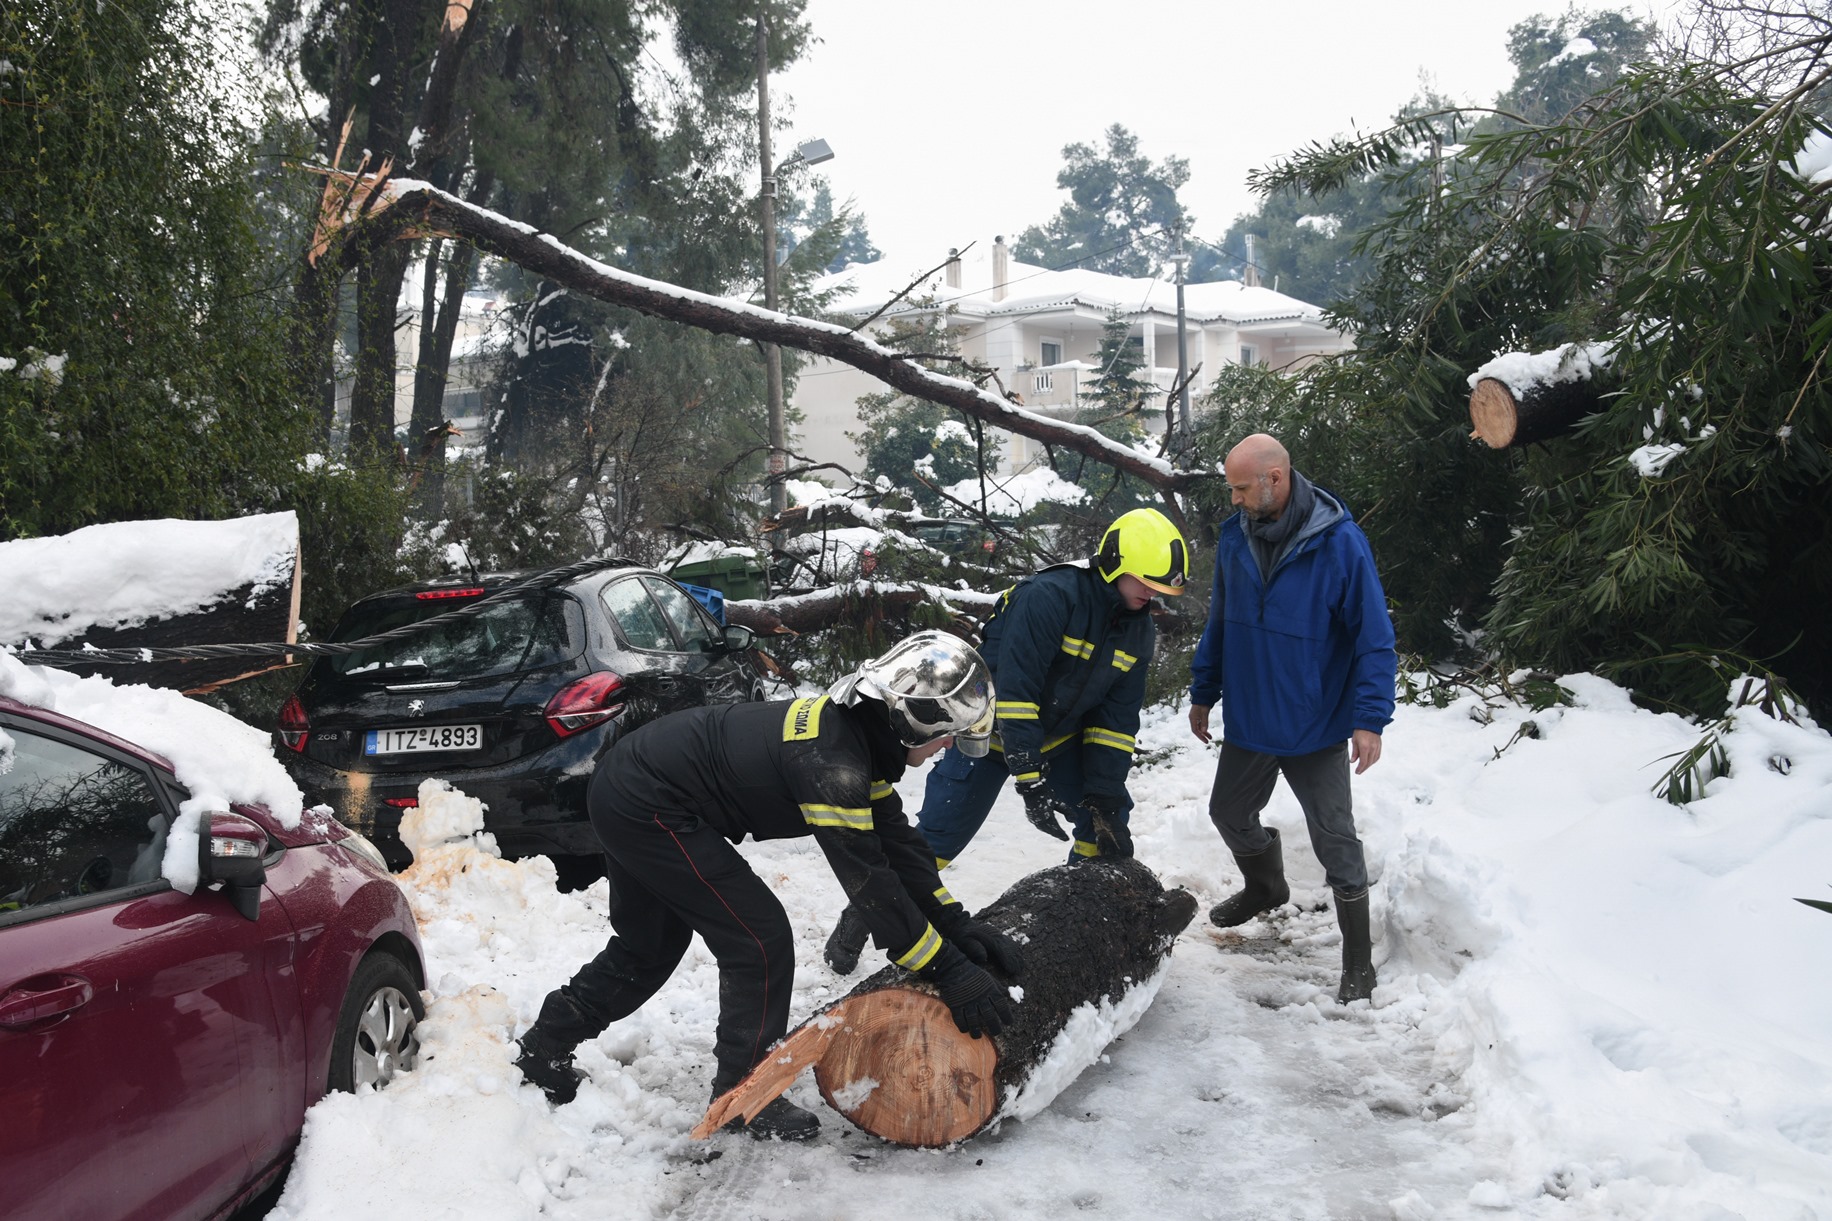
(889, 1058)
(1502, 418)
(404, 208)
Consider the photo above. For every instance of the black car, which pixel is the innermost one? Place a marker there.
(513, 705)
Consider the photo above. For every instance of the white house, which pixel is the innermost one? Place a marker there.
(1041, 329)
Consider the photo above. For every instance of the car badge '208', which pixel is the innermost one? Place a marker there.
(416, 707)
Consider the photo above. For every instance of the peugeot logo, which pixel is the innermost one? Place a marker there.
(416, 707)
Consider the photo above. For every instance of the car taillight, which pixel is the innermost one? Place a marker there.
(592, 700)
(294, 726)
(868, 561)
(434, 595)
(987, 545)
(402, 803)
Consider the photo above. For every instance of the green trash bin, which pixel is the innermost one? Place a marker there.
(735, 576)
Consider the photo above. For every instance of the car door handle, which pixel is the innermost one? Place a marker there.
(44, 996)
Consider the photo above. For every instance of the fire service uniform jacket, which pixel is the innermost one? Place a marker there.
(783, 769)
(1068, 661)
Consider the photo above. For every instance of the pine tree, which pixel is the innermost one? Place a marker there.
(1120, 213)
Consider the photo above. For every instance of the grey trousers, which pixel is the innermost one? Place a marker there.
(1320, 781)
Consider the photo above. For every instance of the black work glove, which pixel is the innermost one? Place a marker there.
(977, 1000)
(1111, 834)
(1042, 809)
(984, 943)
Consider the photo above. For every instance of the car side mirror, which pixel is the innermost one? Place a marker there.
(739, 639)
(232, 849)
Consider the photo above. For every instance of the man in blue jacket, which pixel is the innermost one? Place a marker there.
(1299, 643)
(1069, 648)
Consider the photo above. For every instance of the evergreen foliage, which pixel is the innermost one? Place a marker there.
(1120, 212)
(140, 341)
(1664, 216)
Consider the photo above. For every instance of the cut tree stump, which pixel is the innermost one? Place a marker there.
(889, 1058)
(1501, 418)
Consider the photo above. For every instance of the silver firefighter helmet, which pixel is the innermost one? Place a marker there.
(933, 685)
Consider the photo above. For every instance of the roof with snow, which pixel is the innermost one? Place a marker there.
(1029, 289)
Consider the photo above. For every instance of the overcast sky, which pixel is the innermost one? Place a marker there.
(948, 117)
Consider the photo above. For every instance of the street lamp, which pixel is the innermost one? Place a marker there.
(813, 152)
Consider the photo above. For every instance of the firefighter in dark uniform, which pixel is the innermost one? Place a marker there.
(671, 800)
(1069, 648)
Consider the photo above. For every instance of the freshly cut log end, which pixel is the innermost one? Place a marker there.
(1544, 410)
(890, 1059)
(1492, 413)
(903, 1070)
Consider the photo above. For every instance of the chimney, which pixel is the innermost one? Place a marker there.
(953, 272)
(1250, 277)
(1001, 267)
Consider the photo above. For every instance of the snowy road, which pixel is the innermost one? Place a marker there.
(1556, 1034)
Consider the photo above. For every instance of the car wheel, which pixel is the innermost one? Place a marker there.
(377, 1031)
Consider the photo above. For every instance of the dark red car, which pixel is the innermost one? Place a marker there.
(158, 1050)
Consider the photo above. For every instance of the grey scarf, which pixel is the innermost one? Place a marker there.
(1272, 539)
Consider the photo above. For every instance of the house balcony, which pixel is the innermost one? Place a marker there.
(1061, 388)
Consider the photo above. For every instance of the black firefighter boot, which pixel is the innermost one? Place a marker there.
(846, 942)
(548, 1062)
(780, 1120)
(1357, 948)
(1265, 889)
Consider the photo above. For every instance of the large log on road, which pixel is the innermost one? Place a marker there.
(888, 1057)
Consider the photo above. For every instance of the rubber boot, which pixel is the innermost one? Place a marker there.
(846, 942)
(780, 1120)
(1357, 948)
(548, 1063)
(1265, 888)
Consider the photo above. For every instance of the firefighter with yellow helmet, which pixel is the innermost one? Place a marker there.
(1069, 648)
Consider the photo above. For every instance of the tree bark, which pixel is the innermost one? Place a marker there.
(888, 1057)
(1501, 418)
(409, 208)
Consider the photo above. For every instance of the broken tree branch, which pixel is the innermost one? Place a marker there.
(406, 207)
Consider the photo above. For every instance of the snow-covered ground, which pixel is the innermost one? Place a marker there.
(1593, 1004)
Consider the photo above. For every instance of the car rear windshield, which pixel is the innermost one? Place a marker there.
(504, 637)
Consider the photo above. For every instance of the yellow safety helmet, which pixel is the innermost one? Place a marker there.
(1144, 544)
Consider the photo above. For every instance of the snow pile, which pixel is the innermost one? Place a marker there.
(126, 573)
(1521, 371)
(1814, 161)
(1010, 496)
(1592, 1004)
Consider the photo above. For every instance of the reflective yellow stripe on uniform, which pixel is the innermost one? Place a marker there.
(803, 720)
(1124, 661)
(1015, 710)
(943, 897)
(1083, 649)
(917, 956)
(1096, 736)
(880, 789)
(837, 816)
(1048, 746)
(1084, 848)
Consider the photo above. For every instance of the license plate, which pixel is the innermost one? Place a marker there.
(422, 737)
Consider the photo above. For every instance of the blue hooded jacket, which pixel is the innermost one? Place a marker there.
(1306, 656)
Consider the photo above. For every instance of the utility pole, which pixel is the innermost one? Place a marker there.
(1180, 260)
(766, 208)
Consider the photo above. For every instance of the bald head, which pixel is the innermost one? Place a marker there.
(1259, 476)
